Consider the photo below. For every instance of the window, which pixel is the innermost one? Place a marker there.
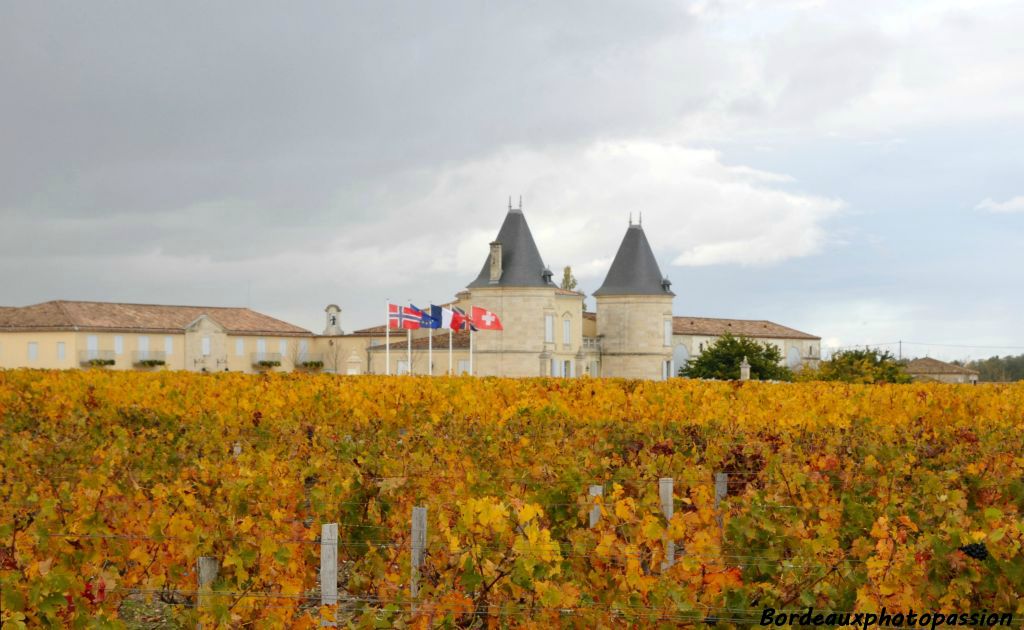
(666, 372)
(92, 345)
(143, 344)
(549, 328)
(303, 348)
(553, 368)
(463, 367)
(595, 368)
(261, 347)
(668, 333)
(33, 351)
(568, 368)
(566, 331)
(60, 350)
(118, 345)
(239, 347)
(168, 345)
(206, 346)
(282, 347)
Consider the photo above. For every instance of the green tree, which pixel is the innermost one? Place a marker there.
(999, 369)
(722, 360)
(568, 280)
(859, 366)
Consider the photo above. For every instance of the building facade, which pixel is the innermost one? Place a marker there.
(547, 332)
(929, 370)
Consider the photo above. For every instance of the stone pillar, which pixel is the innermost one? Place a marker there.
(744, 370)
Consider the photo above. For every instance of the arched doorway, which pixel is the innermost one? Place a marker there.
(680, 357)
(793, 359)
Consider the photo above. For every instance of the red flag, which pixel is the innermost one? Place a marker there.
(485, 319)
(461, 321)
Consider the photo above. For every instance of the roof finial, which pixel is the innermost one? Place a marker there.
(631, 219)
(510, 203)
(520, 203)
(641, 218)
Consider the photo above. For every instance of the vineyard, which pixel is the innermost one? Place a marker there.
(548, 502)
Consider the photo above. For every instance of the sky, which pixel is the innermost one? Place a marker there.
(849, 169)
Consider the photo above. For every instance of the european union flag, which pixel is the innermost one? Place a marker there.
(426, 320)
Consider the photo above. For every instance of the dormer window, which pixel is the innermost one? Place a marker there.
(546, 274)
(666, 285)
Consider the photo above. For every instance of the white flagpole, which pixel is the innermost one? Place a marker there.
(408, 350)
(471, 350)
(430, 351)
(449, 350)
(387, 339)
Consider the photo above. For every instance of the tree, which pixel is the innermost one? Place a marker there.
(568, 280)
(859, 366)
(999, 369)
(722, 360)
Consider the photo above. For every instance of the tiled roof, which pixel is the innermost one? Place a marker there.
(372, 330)
(634, 270)
(157, 318)
(459, 340)
(713, 326)
(561, 291)
(590, 315)
(928, 365)
(521, 264)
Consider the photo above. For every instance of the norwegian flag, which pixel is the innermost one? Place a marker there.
(485, 319)
(403, 317)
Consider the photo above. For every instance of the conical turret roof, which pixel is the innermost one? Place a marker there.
(521, 263)
(634, 270)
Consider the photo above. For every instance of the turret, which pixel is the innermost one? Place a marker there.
(634, 312)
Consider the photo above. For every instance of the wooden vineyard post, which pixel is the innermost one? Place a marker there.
(595, 512)
(665, 492)
(329, 569)
(236, 449)
(721, 491)
(419, 545)
(207, 568)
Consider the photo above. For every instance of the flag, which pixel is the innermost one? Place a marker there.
(485, 319)
(442, 315)
(461, 321)
(427, 319)
(403, 317)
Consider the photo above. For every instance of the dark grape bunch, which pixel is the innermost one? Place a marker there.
(978, 551)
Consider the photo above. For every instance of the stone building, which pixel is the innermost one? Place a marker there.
(632, 334)
(932, 370)
(68, 334)
(691, 335)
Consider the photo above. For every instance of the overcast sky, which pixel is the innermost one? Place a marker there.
(850, 169)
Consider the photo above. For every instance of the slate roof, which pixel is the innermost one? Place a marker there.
(154, 318)
(521, 263)
(715, 327)
(928, 365)
(634, 270)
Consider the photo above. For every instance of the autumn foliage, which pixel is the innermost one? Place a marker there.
(842, 497)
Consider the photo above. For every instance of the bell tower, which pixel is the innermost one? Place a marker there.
(333, 326)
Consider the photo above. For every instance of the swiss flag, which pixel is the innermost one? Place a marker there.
(485, 319)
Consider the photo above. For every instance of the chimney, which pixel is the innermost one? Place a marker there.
(495, 262)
